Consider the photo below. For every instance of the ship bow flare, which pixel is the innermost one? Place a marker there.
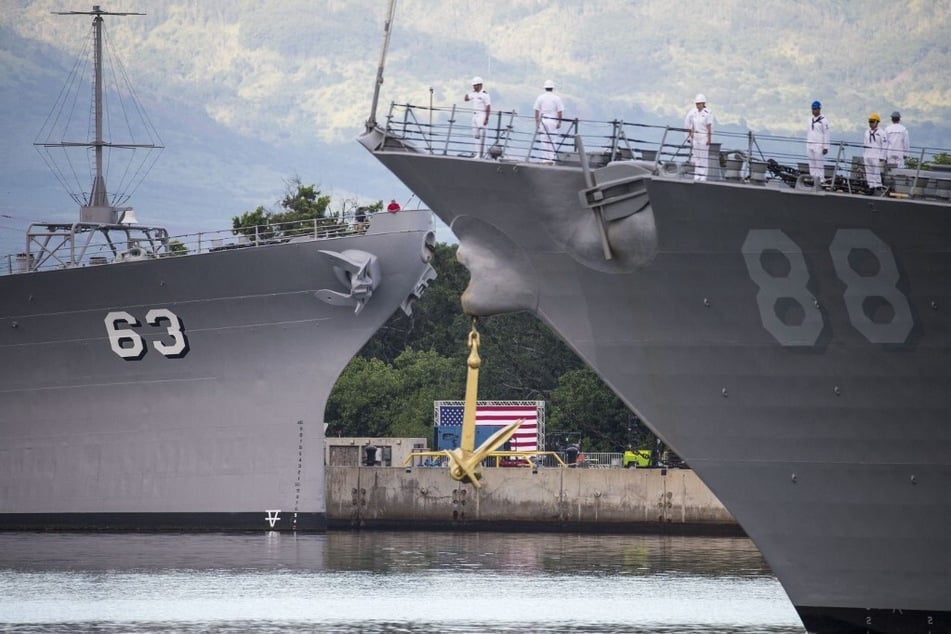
(784, 330)
(502, 278)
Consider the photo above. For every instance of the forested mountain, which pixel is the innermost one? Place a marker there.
(245, 94)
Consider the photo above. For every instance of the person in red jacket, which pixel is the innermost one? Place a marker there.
(393, 207)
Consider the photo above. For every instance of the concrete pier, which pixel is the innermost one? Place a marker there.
(554, 499)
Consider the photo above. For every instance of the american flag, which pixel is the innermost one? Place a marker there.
(497, 414)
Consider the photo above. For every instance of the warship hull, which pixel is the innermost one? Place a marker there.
(188, 392)
(791, 345)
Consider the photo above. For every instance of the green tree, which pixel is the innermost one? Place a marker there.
(523, 359)
(425, 376)
(583, 403)
(359, 404)
(374, 398)
(941, 158)
(256, 224)
(437, 321)
(414, 360)
(301, 203)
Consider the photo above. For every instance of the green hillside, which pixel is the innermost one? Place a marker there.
(285, 69)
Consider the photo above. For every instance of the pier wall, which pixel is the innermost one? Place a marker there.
(554, 499)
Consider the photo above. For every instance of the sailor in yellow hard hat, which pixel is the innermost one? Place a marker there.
(876, 144)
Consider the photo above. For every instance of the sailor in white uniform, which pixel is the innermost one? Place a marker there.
(876, 145)
(817, 142)
(481, 107)
(699, 124)
(898, 146)
(549, 111)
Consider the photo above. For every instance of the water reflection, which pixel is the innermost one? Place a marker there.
(530, 552)
(387, 582)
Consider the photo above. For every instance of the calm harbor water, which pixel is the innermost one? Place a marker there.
(388, 582)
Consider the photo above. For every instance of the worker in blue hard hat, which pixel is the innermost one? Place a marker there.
(817, 142)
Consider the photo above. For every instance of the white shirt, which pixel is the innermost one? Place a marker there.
(875, 143)
(480, 102)
(897, 136)
(549, 105)
(698, 120)
(818, 131)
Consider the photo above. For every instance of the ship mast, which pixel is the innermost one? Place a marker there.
(98, 196)
(58, 244)
(371, 121)
(96, 208)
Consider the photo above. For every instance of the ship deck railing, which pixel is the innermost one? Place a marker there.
(740, 157)
(53, 246)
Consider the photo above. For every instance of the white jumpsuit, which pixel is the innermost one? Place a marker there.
(480, 103)
(876, 144)
(548, 111)
(698, 122)
(897, 136)
(817, 140)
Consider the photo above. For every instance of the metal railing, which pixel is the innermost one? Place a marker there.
(56, 246)
(742, 157)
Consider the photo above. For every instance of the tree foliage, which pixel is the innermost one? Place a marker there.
(421, 358)
(583, 403)
(437, 318)
(375, 398)
(300, 203)
(388, 389)
(941, 158)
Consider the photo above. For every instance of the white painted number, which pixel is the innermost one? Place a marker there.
(772, 288)
(129, 344)
(881, 286)
(125, 342)
(866, 295)
(174, 330)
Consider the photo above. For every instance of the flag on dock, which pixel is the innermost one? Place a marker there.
(499, 414)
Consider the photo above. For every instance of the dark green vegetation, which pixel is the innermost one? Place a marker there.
(300, 205)
(389, 388)
(941, 158)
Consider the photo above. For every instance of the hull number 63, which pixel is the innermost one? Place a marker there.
(129, 344)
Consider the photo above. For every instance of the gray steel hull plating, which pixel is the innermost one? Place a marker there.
(225, 432)
(792, 346)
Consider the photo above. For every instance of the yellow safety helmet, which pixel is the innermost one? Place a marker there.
(874, 117)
